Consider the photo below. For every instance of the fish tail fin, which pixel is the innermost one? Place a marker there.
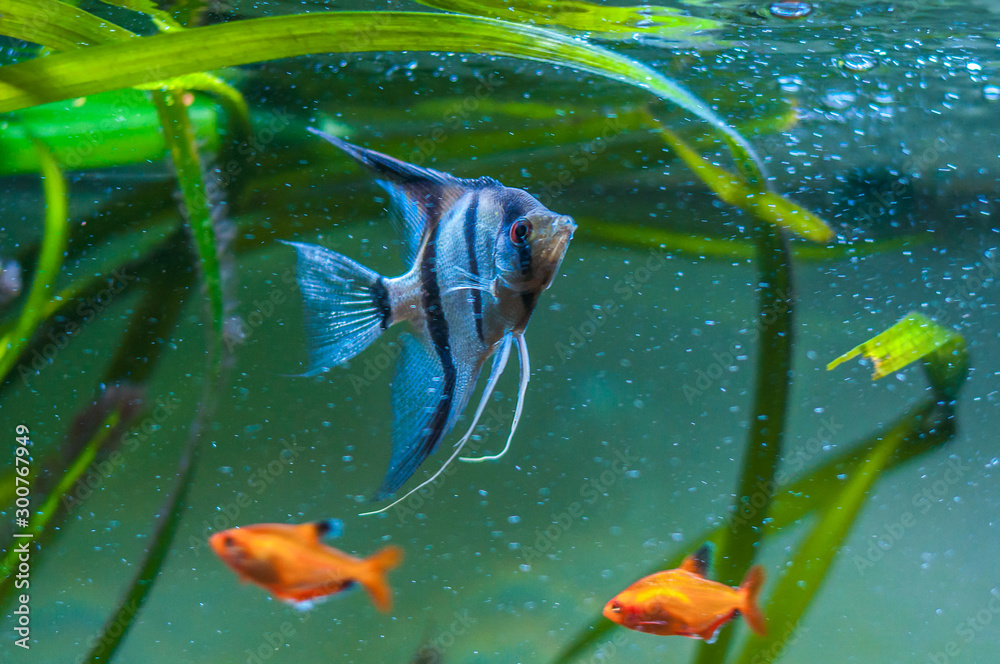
(373, 577)
(346, 305)
(751, 586)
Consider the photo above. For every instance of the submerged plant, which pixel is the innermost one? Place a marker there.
(169, 101)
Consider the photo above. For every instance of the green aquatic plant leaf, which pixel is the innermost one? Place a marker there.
(172, 106)
(755, 493)
(915, 337)
(168, 518)
(163, 20)
(599, 20)
(652, 237)
(147, 60)
(814, 556)
(49, 264)
(759, 202)
(108, 129)
(56, 24)
(52, 502)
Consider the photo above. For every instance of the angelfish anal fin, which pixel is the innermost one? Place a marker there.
(425, 402)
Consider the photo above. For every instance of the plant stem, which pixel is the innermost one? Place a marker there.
(774, 363)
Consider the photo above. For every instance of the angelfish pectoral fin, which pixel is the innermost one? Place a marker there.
(346, 305)
(525, 367)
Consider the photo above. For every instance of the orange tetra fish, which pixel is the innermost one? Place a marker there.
(683, 602)
(293, 564)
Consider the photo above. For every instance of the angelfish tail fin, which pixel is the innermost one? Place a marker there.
(751, 586)
(346, 305)
(374, 579)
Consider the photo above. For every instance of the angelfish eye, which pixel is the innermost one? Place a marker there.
(520, 231)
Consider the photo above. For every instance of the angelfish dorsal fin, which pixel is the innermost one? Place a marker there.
(419, 195)
(698, 562)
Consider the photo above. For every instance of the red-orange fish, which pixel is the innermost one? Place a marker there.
(683, 602)
(293, 565)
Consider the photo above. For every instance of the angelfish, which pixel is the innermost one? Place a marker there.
(480, 254)
(684, 602)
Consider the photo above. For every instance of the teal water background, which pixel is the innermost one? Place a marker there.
(901, 92)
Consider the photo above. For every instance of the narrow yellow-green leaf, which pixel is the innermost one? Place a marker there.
(150, 59)
(56, 24)
(911, 339)
(179, 135)
(633, 235)
(49, 263)
(803, 578)
(227, 95)
(598, 19)
(164, 21)
(763, 204)
(41, 517)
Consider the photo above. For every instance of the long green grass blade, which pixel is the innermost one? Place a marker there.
(774, 322)
(804, 577)
(651, 237)
(600, 20)
(56, 24)
(50, 505)
(763, 204)
(120, 622)
(177, 129)
(108, 129)
(49, 264)
(150, 59)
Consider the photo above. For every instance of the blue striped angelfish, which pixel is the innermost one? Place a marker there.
(480, 254)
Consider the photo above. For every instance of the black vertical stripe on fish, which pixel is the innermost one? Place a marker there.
(470, 245)
(524, 257)
(528, 299)
(437, 326)
(381, 296)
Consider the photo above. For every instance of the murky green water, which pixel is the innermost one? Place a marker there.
(896, 137)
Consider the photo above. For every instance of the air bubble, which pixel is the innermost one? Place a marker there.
(859, 62)
(991, 92)
(790, 10)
